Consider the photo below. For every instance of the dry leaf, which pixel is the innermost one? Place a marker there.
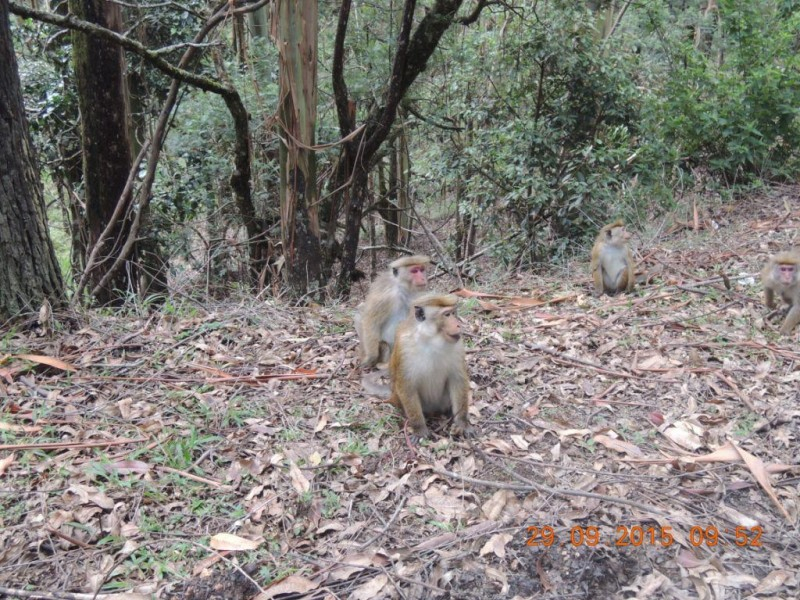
(493, 508)
(619, 445)
(370, 589)
(773, 582)
(7, 462)
(756, 467)
(322, 423)
(228, 541)
(299, 482)
(497, 545)
(680, 435)
(350, 565)
(293, 584)
(47, 360)
(19, 428)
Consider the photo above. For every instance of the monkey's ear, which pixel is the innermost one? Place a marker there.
(419, 313)
(394, 271)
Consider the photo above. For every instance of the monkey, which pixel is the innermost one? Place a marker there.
(612, 262)
(387, 303)
(781, 277)
(428, 369)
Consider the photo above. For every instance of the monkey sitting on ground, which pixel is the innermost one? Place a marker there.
(612, 263)
(781, 277)
(428, 369)
(387, 303)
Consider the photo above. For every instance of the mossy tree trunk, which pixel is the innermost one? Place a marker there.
(29, 272)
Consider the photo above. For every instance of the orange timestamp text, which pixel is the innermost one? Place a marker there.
(638, 535)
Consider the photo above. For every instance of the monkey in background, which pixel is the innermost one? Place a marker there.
(612, 262)
(387, 304)
(781, 278)
(428, 368)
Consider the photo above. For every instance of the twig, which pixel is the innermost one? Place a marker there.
(197, 478)
(77, 445)
(17, 593)
(375, 538)
(531, 486)
(580, 362)
(438, 246)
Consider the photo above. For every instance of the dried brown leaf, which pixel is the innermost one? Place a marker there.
(231, 542)
(773, 582)
(47, 360)
(756, 467)
(6, 462)
(619, 445)
(371, 589)
(299, 482)
(293, 584)
(496, 545)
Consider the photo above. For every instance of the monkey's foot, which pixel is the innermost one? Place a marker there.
(463, 430)
(419, 433)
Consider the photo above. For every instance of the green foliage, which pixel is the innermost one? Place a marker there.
(529, 121)
(547, 143)
(734, 109)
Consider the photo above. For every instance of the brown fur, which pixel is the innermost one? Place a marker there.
(612, 262)
(428, 368)
(781, 278)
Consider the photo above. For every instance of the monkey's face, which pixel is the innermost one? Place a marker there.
(618, 235)
(786, 274)
(450, 325)
(417, 277)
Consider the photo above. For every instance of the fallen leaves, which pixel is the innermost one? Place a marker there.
(191, 443)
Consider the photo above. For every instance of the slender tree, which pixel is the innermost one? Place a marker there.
(30, 272)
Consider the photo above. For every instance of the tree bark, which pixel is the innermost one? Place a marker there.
(30, 272)
(258, 244)
(294, 29)
(102, 97)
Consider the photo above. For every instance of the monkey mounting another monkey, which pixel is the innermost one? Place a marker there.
(387, 303)
(781, 277)
(428, 369)
(612, 263)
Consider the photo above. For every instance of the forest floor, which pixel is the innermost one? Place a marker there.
(641, 446)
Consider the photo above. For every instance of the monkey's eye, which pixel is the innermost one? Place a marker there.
(416, 270)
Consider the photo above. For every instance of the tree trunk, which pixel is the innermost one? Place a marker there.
(30, 271)
(388, 205)
(294, 30)
(100, 82)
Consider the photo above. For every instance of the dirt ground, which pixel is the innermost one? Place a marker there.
(641, 446)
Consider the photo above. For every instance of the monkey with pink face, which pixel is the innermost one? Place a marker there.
(387, 304)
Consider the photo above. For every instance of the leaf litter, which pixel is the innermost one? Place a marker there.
(640, 446)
